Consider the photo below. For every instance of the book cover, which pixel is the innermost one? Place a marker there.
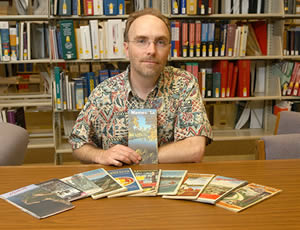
(149, 181)
(5, 44)
(218, 188)
(13, 43)
(64, 8)
(82, 183)
(110, 7)
(170, 181)
(105, 181)
(37, 201)
(246, 196)
(68, 39)
(62, 189)
(125, 177)
(192, 186)
(142, 134)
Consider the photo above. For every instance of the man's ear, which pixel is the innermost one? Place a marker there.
(125, 45)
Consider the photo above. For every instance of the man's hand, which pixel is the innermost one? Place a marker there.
(117, 156)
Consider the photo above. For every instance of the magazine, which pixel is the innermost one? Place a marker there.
(105, 181)
(246, 196)
(37, 201)
(126, 177)
(149, 181)
(170, 181)
(192, 186)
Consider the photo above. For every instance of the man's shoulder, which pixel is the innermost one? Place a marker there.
(115, 83)
(179, 77)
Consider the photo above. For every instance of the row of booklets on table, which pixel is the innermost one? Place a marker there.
(55, 195)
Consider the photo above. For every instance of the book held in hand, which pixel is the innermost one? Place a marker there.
(219, 187)
(37, 201)
(105, 181)
(246, 196)
(170, 181)
(142, 134)
(192, 186)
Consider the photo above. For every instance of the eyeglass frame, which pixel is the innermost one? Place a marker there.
(147, 41)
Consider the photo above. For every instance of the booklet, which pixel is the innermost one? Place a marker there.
(105, 181)
(219, 187)
(142, 134)
(62, 189)
(192, 186)
(170, 181)
(246, 196)
(149, 181)
(37, 201)
(82, 183)
(126, 177)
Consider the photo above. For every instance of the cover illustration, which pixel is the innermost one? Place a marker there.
(142, 134)
(62, 189)
(192, 185)
(246, 196)
(83, 183)
(105, 181)
(218, 188)
(125, 177)
(149, 181)
(37, 201)
(170, 181)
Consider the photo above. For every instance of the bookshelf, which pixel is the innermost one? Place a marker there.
(274, 16)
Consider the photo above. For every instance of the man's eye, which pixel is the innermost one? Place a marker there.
(161, 42)
(141, 41)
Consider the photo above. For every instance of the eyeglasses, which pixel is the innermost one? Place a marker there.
(144, 43)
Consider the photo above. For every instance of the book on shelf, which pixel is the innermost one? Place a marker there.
(170, 181)
(105, 181)
(68, 39)
(219, 187)
(126, 177)
(149, 181)
(62, 189)
(142, 134)
(246, 196)
(37, 201)
(192, 186)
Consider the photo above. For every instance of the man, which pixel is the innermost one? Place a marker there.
(100, 134)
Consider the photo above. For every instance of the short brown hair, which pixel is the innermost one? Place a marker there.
(147, 11)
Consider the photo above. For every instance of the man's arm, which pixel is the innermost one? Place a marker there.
(116, 155)
(190, 149)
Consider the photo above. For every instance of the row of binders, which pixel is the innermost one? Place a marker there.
(291, 41)
(226, 192)
(95, 40)
(196, 38)
(289, 75)
(241, 78)
(87, 7)
(72, 93)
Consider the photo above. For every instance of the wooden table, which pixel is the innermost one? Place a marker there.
(279, 212)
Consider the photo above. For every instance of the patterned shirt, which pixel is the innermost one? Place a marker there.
(103, 121)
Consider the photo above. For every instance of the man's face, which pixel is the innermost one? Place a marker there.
(148, 46)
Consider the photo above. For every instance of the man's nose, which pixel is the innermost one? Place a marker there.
(151, 47)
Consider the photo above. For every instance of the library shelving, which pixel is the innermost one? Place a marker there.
(57, 137)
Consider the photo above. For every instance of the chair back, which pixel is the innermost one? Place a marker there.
(14, 140)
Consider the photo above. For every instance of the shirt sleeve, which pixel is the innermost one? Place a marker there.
(191, 118)
(83, 131)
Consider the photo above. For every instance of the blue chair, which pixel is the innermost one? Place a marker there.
(285, 143)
